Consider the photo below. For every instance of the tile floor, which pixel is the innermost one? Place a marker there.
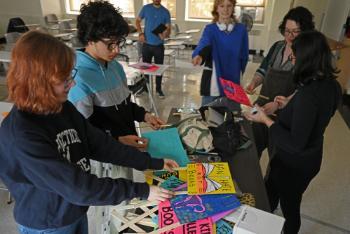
(326, 203)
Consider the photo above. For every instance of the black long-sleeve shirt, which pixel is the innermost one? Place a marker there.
(298, 132)
(44, 162)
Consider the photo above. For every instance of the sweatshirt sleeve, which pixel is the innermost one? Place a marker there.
(244, 51)
(138, 112)
(295, 139)
(45, 169)
(106, 149)
(203, 42)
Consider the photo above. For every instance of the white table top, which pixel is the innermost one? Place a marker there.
(4, 107)
(174, 43)
(133, 75)
(192, 31)
(158, 72)
(5, 56)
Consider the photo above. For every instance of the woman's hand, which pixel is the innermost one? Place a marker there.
(134, 141)
(270, 108)
(197, 60)
(142, 37)
(159, 194)
(259, 116)
(154, 121)
(169, 165)
(256, 81)
(281, 101)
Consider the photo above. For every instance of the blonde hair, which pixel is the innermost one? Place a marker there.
(38, 62)
(215, 8)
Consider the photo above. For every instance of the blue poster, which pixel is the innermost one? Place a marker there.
(166, 143)
(191, 208)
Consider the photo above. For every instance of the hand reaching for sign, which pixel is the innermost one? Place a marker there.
(159, 194)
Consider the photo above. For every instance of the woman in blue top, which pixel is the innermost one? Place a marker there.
(224, 44)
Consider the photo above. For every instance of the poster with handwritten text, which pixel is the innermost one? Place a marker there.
(209, 178)
(167, 216)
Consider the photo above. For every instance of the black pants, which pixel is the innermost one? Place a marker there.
(150, 51)
(286, 186)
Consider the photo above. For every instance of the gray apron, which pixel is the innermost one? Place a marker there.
(276, 82)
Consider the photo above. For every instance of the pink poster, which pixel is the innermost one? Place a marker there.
(235, 92)
(167, 216)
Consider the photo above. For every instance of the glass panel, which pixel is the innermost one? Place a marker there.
(250, 3)
(201, 9)
(127, 7)
(74, 5)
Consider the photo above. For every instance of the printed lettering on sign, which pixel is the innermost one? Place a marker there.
(167, 216)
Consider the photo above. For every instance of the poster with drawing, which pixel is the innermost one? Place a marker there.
(191, 208)
(209, 178)
(167, 216)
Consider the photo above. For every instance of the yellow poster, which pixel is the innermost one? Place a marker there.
(209, 178)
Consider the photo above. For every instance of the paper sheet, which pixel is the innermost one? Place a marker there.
(166, 144)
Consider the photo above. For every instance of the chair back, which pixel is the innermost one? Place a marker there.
(51, 19)
(64, 26)
(175, 29)
(12, 37)
(16, 25)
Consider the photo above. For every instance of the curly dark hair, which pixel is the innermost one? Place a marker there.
(302, 16)
(99, 20)
(314, 59)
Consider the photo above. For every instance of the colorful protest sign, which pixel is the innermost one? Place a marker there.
(223, 227)
(209, 178)
(192, 208)
(171, 183)
(167, 216)
(235, 92)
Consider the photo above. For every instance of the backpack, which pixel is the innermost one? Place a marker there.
(195, 134)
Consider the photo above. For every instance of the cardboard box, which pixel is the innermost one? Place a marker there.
(249, 220)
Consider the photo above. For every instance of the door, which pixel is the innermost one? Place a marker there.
(335, 18)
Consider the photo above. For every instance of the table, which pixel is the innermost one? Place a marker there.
(153, 74)
(4, 107)
(5, 56)
(159, 72)
(244, 167)
(134, 77)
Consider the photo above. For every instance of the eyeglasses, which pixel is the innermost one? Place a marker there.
(293, 32)
(111, 44)
(69, 81)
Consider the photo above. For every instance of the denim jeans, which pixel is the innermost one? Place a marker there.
(78, 227)
(150, 51)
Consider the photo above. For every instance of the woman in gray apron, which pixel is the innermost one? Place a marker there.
(275, 71)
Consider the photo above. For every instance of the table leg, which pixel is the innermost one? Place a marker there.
(150, 96)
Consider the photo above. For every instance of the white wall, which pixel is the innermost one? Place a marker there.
(317, 7)
(28, 10)
(261, 38)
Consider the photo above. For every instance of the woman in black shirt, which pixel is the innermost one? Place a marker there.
(297, 134)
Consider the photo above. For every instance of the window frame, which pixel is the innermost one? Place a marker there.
(262, 5)
(76, 12)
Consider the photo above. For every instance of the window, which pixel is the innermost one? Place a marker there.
(73, 6)
(201, 9)
(126, 7)
(168, 4)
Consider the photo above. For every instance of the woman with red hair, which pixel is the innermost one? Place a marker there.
(46, 145)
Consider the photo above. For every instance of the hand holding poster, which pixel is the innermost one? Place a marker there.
(235, 92)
